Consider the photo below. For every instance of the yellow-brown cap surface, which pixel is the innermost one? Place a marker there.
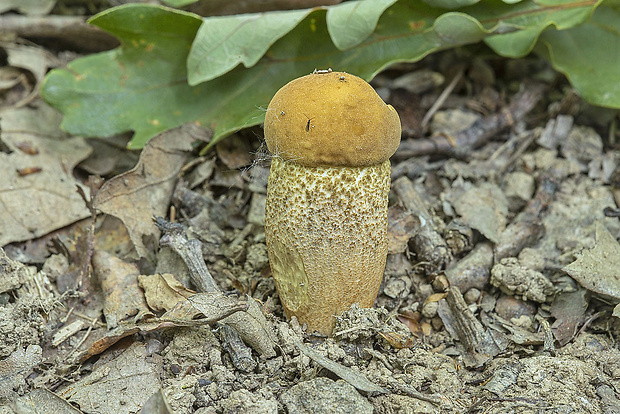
(331, 119)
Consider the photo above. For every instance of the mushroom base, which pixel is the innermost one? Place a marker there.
(326, 235)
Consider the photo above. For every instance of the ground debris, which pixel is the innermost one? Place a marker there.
(515, 208)
(131, 377)
(428, 243)
(250, 324)
(324, 396)
(472, 271)
(479, 132)
(15, 368)
(515, 279)
(527, 227)
(480, 343)
(358, 380)
(597, 269)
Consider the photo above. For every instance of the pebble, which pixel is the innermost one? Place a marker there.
(441, 284)
(324, 396)
(425, 290)
(429, 310)
(472, 296)
(436, 323)
(509, 307)
(397, 287)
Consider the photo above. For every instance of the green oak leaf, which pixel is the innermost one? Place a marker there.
(457, 29)
(140, 86)
(588, 56)
(351, 22)
(223, 42)
(519, 32)
(179, 3)
(143, 84)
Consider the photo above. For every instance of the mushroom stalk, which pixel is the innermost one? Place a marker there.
(327, 195)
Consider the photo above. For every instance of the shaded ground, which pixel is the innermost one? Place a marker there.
(497, 297)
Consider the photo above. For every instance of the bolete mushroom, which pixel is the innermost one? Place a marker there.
(331, 136)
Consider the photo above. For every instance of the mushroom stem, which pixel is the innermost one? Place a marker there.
(326, 231)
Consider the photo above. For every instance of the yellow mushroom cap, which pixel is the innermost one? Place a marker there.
(331, 119)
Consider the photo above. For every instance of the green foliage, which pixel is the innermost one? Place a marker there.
(175, 67)
(179, 3)
(351, 22)
(222, 43)
(589, 56)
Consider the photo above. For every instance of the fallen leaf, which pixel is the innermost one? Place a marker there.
(598, 269)
(23, 60)
(250, 324)
(435, 297)
(157, 403)
(119, 282)
(234, 152)
(16, 367)
(163, 291)
(37, 7)
(131, 378)
(483, 208)
(412, 321)
(143, 192)
(32, 402)
(568, 309)
(33, 205)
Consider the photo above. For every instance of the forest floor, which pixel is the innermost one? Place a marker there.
(498, 294)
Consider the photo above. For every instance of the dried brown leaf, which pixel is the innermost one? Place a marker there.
(143, 192)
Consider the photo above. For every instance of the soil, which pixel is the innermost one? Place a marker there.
(486, 306)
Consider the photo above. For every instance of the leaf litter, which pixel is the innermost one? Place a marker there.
(498, 293)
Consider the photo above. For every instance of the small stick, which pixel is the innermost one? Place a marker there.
(441, 99)
(251, 324)
(69, 29)
(527, 227)
(240, 354)
(399, 388)
(479, 132)
(429, 245)
(189, 251)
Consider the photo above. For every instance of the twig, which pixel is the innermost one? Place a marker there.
(548, 345)
(251, 324)
(240, 354)
(588, 322)
(527, 227)
(94, 185)
(442, 98)
(480, 344)
(479, 132)
(72, 30)
(79, 344)
(189, 251)
(399, 388)
(428, 243)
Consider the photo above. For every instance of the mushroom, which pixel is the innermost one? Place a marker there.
(331, 136)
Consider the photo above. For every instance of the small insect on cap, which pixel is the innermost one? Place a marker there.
(331, 119)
